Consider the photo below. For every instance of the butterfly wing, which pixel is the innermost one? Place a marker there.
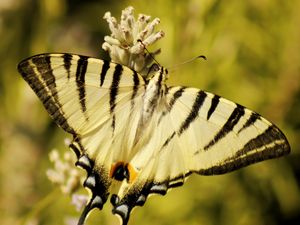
(98, 102)
(218, 136)
(198, 132)
(72, 87)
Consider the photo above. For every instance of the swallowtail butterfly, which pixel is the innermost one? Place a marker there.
(139, 133)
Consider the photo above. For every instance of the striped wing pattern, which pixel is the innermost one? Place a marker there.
(221, 136)
(140, 134)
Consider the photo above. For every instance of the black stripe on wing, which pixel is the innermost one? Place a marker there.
(67, 63)
(270, 144)
(80, 80)
(214, 103)
(176, 96)
(105, 68)
(43, 66)
(44, 86)
(234, 118)
(136, 83)
(269, 136)
(168, 140)
(194, 111)
(114, 89)
(252, 119)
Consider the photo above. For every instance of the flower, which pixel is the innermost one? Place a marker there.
(79, 201)
(64, 173)
(128, 40)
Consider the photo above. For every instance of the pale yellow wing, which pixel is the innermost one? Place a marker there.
(98, 102)
(193, 131)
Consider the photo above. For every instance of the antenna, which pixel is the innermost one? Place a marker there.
(177, 65)
(188, 61)
(150, 54)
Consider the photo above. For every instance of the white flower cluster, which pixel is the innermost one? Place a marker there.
(64, 173)
(128, 40)
(67, 176)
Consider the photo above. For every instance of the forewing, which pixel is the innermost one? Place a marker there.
(80, 93)
(217, 136)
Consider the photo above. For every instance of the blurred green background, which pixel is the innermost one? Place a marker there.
(253, 51)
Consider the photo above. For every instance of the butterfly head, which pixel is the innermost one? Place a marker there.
(157, 72)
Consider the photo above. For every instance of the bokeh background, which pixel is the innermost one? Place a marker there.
(253, 51)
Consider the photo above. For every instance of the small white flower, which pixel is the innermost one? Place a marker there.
(128, 40)
(79, 201)
(64, 173)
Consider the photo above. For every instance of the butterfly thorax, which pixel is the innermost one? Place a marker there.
(155, 89)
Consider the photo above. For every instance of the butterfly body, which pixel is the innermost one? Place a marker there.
(154, 91)
(140, 134)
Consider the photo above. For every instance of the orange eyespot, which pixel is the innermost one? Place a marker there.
(132, 173)
(114, 167)
(120, 171)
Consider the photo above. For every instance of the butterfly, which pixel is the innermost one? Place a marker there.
(140, 135)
